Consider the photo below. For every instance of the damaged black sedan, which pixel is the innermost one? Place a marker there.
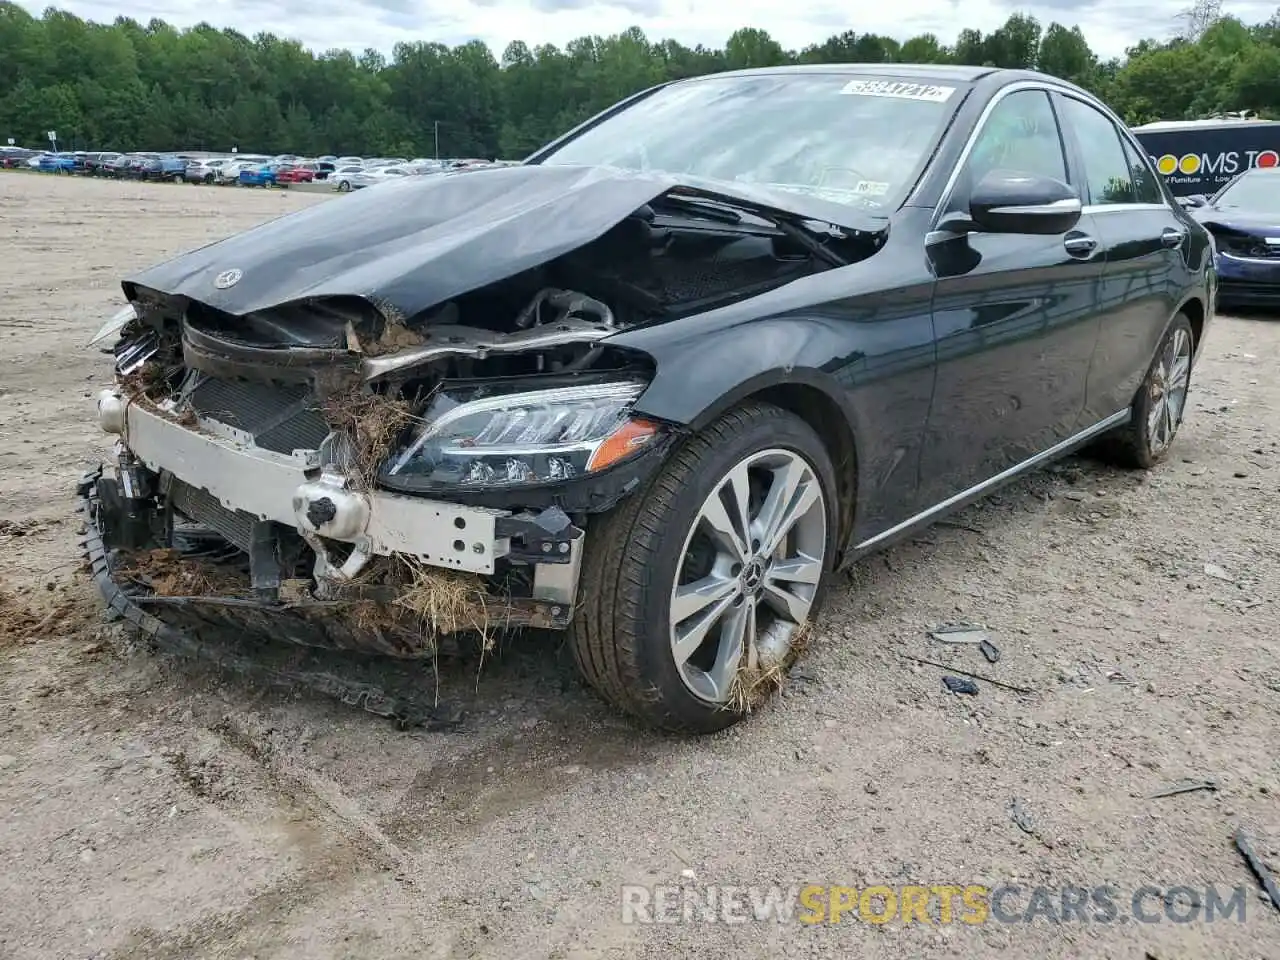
(654, 384)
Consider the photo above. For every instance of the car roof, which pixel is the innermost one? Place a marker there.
(917, 71)
(920, 72)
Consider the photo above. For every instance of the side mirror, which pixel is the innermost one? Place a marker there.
(1005, 201)
(1008, 201)
(1195, 200)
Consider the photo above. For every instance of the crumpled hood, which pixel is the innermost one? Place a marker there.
(1259, 225)
(413, 244)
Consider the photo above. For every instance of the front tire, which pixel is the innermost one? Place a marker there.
(698, 592)
(1160, 404)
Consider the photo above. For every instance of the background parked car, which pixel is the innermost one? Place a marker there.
(342, 177)
(288, 173)
(137, 166)
(163, 168)
(57, 163)
(205, 171)
(229, 172)
(376, 175)
(259, 175)
(12, 158)
(1244, 219)
(118, 166)
(97, 164)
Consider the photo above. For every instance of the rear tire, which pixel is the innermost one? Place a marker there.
(1159, 405)
(643, 554)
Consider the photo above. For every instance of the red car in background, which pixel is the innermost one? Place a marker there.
(294, 173)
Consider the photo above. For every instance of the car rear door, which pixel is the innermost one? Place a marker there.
(1146, 241)
(1015, 315)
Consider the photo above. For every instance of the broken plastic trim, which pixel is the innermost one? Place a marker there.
(114, 324)
(460, 341)
(405, 712)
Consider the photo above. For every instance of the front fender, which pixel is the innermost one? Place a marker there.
(849, 336)
(696, 381)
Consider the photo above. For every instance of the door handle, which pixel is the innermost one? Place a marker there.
(1080, 244)
(1172, 237)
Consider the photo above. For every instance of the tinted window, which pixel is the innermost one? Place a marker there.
(856, 140)
(1146, 189)
(1020, 135)
(1106, 169)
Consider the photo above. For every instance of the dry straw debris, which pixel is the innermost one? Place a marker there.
(168, 574)
(754, 683)
(431, 600)
(447, 601)
(372, 422)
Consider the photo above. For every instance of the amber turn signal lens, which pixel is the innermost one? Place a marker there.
(622, 443)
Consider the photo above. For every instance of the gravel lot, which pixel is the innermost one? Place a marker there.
(151, 808)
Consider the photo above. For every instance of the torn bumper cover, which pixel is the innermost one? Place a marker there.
(252, 519)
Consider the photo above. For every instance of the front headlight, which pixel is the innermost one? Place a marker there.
(515, 438)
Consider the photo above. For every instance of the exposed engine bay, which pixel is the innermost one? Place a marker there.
(420, 474)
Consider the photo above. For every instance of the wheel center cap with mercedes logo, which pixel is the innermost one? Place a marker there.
(753, 576)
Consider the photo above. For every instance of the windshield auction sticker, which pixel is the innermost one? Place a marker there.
(898, 89)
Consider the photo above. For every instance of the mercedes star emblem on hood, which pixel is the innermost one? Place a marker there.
(227, 278)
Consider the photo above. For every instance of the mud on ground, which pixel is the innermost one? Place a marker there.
(151, 808)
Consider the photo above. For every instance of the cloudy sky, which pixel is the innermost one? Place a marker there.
(321, 24)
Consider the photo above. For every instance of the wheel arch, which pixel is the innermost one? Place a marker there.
(815, 398)
(1194, 308)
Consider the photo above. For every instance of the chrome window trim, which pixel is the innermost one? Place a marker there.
(1015, 87)
(1096, 208)
(1050, 89)
(1125, 135)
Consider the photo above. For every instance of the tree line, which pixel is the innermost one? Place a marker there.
(130, 86)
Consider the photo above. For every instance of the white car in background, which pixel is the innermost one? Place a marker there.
(230, 172)
(343, 176)
(205, 171)
(372, 177)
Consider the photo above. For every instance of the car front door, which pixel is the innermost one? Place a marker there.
(1015, 315)
(1146, 242)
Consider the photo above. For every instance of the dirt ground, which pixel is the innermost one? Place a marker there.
(152, 808)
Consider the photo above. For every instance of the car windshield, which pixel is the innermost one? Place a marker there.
(1253, 192)
(853, 140)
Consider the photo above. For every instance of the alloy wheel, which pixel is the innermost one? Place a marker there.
(1169, 384)
(750, 570)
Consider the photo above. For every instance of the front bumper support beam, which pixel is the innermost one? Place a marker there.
(404, 711)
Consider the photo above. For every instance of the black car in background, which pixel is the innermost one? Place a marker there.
(118, 166)
(655, 384)
(97, 164)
